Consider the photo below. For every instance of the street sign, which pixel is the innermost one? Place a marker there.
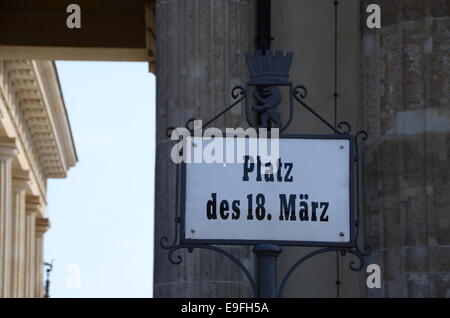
(308, 201)
(298, 190)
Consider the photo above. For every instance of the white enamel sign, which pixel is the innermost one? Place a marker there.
(307, 201)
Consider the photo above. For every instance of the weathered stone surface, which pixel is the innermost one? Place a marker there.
(306, 28)
(416, 259)
(200, 47)
(418, 285)
(405, 92)
(439, 285)
(405, 108)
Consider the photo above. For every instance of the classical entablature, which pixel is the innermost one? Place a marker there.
(35, 138)
(113, 30)
(35, 144)
(33, 114)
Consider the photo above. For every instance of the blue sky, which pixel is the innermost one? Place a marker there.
(101, 238)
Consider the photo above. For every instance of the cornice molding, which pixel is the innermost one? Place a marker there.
(32, 204)
(42, 225)
(20, 180)
(7, 148)
(150, 34)
(35, 102)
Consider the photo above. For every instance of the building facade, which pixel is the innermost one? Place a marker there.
(35, 145)
(392, 81)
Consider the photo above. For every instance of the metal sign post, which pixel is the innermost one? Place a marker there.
(314, 203)
(47, 280)
(209, 211)
(266, 254)
(267, 269)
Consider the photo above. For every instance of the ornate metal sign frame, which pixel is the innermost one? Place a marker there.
(352, 201)
(267, 72)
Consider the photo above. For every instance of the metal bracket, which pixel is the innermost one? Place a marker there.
(240, 94)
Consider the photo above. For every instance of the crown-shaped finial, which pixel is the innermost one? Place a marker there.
(268, 69)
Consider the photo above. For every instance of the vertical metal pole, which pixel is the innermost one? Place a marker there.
(267, 255)
(264, 24)
(47, 280)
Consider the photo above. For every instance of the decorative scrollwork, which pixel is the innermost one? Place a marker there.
(169, 131)
(163, 243)
(239, 94)
(189, 121)
(302, 94)
(230, 256)
(342, 126)
(164, 240)
(268, 109)
(237, 91)
(360, 258)
(358, 135)
(367, 249)
(298, 263)
(362, 133)
(179, 259)
(305, 258)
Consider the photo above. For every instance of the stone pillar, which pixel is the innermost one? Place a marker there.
(42, 225)
(20, 182)
(32, 212)
(7, 151)
(406, 162)
(200, 58)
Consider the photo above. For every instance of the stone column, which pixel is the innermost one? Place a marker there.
(42, 225)
(406, 164)
(7, 151)
(200, 58)
(20, 182)
(32, 211)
